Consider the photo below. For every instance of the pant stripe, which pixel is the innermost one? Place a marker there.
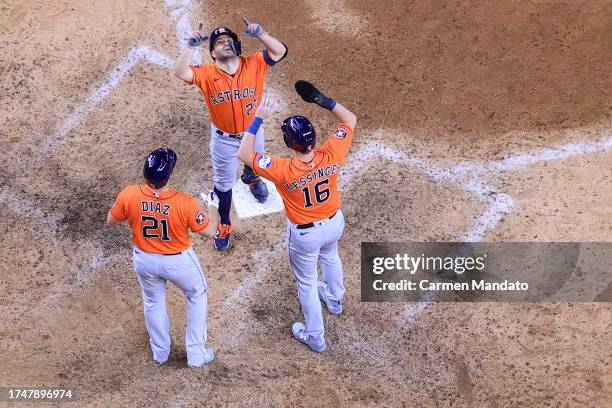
(199, 268)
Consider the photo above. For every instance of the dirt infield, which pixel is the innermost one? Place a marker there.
(481, 120)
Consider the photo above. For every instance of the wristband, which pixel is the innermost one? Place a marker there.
(254, 126)
(325, 101)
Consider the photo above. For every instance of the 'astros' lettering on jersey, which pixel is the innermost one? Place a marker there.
(309, 190)
(160, 220)
(233, 99)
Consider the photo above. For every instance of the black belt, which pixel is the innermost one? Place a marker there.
(311, 224)
(178, 253)
(230, 135)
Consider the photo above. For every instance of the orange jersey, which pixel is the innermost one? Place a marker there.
(309, 190)
(232, 100)
(160, 220)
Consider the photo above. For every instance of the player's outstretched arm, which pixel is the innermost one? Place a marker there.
(212, 201)
(182, 68)
(267, 106)
(276, 48)
(310, 94)
(344, 115)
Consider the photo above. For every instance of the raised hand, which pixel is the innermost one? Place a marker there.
(267, 106)
(253, 30)
(198, 38)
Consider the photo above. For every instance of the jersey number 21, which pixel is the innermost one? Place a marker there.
(150, 228)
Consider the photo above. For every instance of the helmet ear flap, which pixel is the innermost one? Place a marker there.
(237, 47)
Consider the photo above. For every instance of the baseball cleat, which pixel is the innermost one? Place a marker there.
(315, 343)
(223, 237)
(259, 191)
(209, 357)
(334, 306)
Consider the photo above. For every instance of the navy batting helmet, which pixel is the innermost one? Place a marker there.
(217, 32)
(299, 134)
(158, 167)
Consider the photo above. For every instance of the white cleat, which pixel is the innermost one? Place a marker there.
(315, 343)
(209, 357)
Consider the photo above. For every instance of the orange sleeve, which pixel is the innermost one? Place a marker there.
(197, 219)
(339, 143)
(119, 208)
(270, 168)
(258, 58)
(198, 75)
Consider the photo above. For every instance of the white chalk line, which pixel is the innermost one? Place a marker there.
(179, 11)
(522, 160)
(261, 260)
(468, 176)
(500, 204)
(134, 56)
(138, 53)
(21, 205)
(86, 274)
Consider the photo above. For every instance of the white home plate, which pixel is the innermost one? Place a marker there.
(247, 206)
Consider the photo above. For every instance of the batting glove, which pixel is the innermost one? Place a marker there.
(253, 30)
(211, 199)
(198, 38)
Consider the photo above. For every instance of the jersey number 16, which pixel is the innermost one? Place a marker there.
(321, 193)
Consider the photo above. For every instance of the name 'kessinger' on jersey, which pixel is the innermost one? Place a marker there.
(308, 185)
(313, 176)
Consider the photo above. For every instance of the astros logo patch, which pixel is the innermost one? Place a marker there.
(200, 218)
(264, 161)
(341, 133)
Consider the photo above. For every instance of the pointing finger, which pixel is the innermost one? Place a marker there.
(201, 25)
(246, 21)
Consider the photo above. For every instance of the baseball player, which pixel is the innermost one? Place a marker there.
(232, 87)
(160, 218)
(308, 185)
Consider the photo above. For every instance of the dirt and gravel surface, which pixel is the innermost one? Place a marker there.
(443, 81)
